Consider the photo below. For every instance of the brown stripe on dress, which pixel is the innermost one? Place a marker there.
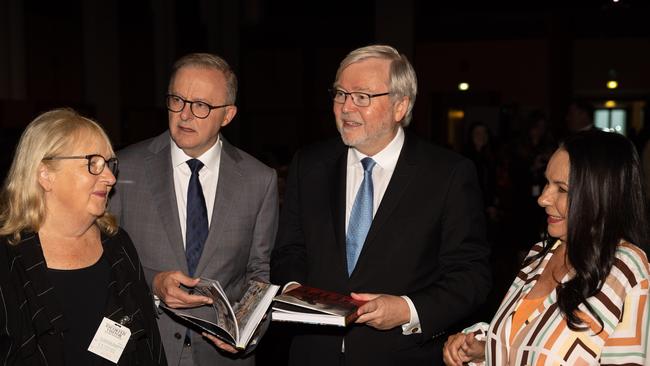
(524, 357)
(499, 321)
(493, 347)
(575, 344)
(615, 310)
(626, 271)
(542, 324)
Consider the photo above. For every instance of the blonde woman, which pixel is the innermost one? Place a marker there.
(67, 271)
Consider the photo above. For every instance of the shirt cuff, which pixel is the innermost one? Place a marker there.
(413, 326)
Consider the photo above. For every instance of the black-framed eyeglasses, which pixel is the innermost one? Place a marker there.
(199, 109)
(96, 162)
(359, 99)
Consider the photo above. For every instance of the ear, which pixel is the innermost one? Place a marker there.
(231, 111)
(400, 108)
(45, 177)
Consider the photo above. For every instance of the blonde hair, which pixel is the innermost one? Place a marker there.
(209, 61)
(402, 80)
(22, 206)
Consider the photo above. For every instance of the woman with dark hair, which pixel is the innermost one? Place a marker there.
(582, 294)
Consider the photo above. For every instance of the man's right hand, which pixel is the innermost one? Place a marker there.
(166, 285)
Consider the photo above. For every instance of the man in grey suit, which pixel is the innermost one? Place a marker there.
(196, 206)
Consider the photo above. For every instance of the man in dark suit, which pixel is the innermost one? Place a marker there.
(196, 206)
(404, 231)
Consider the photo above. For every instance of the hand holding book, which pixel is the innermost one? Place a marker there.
(382, 311)
(233, 323)
(170, 287)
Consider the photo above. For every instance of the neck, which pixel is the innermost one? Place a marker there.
(67, 251)
(63, 227)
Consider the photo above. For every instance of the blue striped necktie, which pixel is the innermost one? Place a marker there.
(360, 216)
(196, 229)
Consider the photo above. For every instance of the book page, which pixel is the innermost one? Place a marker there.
(252, 307)
(225, 316)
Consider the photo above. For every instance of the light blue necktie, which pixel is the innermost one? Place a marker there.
(360, 216)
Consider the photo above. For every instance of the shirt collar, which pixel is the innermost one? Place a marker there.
(209, 158)
(386, 158)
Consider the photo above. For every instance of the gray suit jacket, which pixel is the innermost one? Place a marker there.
(239, 243)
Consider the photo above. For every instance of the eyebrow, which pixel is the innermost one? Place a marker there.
(558, 182)
(360, 90)
(202, 100)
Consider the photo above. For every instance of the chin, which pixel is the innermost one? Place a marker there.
(351, 140)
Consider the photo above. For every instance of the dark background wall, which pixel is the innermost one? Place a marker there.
(111, 59)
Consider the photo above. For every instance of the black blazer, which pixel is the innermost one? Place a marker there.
(426, 241)
(31, 320)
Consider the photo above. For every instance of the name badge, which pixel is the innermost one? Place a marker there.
(110, 340)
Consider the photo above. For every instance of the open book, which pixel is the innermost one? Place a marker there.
(315, 306)
(234, 324)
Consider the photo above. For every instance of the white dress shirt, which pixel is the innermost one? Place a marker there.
(208, 176)
(386, 161)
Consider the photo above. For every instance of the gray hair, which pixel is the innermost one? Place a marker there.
(402, 79)
(210, 61)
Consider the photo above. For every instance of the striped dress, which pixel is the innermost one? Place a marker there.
(545, 339)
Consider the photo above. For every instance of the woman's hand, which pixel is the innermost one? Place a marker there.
(461, 348)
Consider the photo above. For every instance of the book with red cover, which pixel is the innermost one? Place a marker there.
(315, 306)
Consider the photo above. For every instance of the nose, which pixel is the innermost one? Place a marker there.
(348, 104)
(108, 177)
(544, 199)
(186, 112)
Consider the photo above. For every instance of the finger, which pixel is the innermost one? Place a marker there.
(368, 307)
(364, 296)
(191, 300)
(457, 341)
(371, 318)
(291, 287)
(177, 298)
(448, 355)
(185, 280)
(363, 319)
(219, 343)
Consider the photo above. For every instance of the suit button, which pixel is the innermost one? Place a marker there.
(177, 335)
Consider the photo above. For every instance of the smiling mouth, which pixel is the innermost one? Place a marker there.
(185, 129)
(351, 124)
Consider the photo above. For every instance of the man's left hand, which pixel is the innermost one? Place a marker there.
(382, 311)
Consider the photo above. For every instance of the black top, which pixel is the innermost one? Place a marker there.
(34, 323)
(82, 295)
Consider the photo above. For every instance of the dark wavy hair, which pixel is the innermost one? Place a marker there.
(606, 205)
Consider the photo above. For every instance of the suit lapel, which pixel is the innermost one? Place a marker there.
(337, 182)
(230, 179)
(405, 172)
(159, 168)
